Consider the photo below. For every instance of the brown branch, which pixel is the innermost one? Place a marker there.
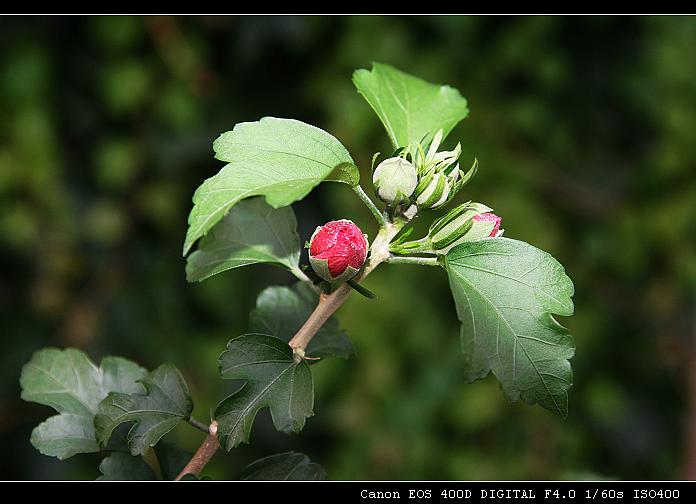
(204, 453)
(328, 304)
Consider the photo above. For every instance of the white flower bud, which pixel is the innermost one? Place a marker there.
(394, 180)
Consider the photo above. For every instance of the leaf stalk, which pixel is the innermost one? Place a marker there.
(198, 424)
(422, 261)
(370, 205)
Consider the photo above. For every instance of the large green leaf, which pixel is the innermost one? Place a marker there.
(70, 383)
(411, 109)
(288, 466)
(124, 467)
(253, 232)
(505, 292)
(274, 380)
(281, 159)
(281, 311)
(164, 404)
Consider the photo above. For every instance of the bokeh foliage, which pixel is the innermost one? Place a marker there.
(584, 131)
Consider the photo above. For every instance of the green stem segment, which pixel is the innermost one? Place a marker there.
(198, 424)
(370, 205)
(423, 261)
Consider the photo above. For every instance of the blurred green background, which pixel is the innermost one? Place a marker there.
(585, 129)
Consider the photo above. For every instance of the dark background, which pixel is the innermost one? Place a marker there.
(585, 129)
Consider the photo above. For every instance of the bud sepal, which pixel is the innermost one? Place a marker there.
(439, 175)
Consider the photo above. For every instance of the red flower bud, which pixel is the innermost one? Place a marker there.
(337, 250)
(490, 217)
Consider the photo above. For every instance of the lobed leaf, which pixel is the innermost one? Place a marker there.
(253, 232)
(288, 466)
(281, 311)
(69, 382)
(165, 402)
(506, 292)
(124, 467)
(273, 379)
(281, 159)
(411, 109)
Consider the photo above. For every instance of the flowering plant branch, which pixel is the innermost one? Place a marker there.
(506, 292)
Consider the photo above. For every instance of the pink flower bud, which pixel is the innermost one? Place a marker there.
(490, 217)
(337, 250)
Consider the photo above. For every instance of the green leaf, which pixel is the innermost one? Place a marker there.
(281, 159)
(70, 383)
(172, 459)
(288, 466)
(273, 380)
(411, 109)
(124, 467)
(164, 404)
(281, 311)
(253, 232)
(505, 291)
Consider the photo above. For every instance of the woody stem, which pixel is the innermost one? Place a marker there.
(204, 453)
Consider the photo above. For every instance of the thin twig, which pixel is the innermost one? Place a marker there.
(204, 453)
(328, 304)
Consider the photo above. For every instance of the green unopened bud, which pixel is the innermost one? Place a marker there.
(433, 190)
(459, 225)
(439, 176)
(394, 180)
(466, 222)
